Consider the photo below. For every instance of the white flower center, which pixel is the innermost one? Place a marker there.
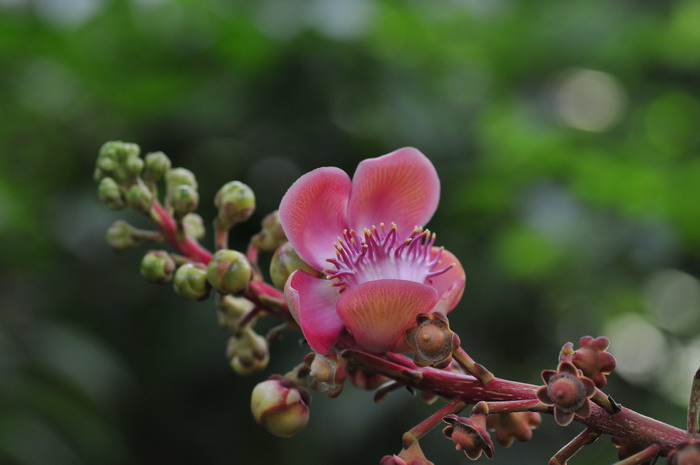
(378, 255)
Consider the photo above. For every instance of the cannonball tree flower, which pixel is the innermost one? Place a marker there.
(365, 235)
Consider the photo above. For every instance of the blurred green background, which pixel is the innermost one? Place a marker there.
(565, 134)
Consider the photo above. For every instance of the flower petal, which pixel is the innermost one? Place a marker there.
(313, 213)
(543, 396)
(378, 313)
(563, 418)
(400, 187)
(312, 303)
(447, 281)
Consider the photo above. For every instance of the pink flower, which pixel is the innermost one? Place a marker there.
(381, 269)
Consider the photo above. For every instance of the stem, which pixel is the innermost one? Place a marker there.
(143, 235)
(642, 456)
(220, 237)
(422, 428)
(187, 246)
(252, 255)
(586, 437)
(693, 404)
(475, 369)
(601, 399)
(386, 389)
(248, 316)
(509, 406)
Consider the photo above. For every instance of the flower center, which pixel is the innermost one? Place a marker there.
(377, 254)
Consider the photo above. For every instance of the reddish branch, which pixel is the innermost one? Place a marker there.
(626, 424)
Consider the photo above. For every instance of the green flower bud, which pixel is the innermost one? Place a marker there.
(177, 177)
(236, 202)
(110, 194)
(248, 352)
(231, 309)
(272, 234)
(157, 266)
(120, 161)
(284, 262)
(139, 198)
(120, 236)
(229, 271)
(279, 407)
(190, 281)
(157, 164)
(194, 226)
(184, 199)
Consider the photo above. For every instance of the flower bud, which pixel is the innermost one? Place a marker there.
(231, 309)
(120, 236)
(272, 234)
(285, 261)
(193, 225)
(157, 266)
(184, 199)
(248, 352)
(120, 161)
(279, 407)
(236, 202)
(229, 271)
(110, 194)
(157, 164)
(179, 177)
(139, 198)
(190, 281)
(328, 372)
(469, 435)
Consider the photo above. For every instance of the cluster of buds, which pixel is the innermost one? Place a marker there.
(247, 351)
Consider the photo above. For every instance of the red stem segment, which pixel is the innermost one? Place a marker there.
(185, 245)
(586, 437)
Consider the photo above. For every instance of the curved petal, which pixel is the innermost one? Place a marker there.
(312, 303)
(313, 213)
(400, 187)
(378, 313)
(444, 282)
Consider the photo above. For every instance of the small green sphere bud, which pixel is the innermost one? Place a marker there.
(272, 234)
(120, 236)
(139, 198)
(236, 202)
(120, 161)
(184, 199)
(230, 311)
(157, 164)
(179, 177)
(157, 266)
(194, 226)
(190, 281)
(279, 407)
(229, 271)
(110, 194)
(248, 352)
(285, 261)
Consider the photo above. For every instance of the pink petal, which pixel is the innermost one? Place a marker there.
(312, 303)
(313, 214)
(378, 313)
(443, 282)
(400, 187)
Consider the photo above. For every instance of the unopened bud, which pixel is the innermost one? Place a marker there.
(279, 407)
(120, 161)
(194, 226)
(190, 281)
(110, 194)
(248, 352)
(231, 309)
(236, 202)
(286, 261)
(157, 164)
(184, 199)
(179, 177)
(229, 271)
(120, 236)
(272, 234)
(139, 198)
(157, 266)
